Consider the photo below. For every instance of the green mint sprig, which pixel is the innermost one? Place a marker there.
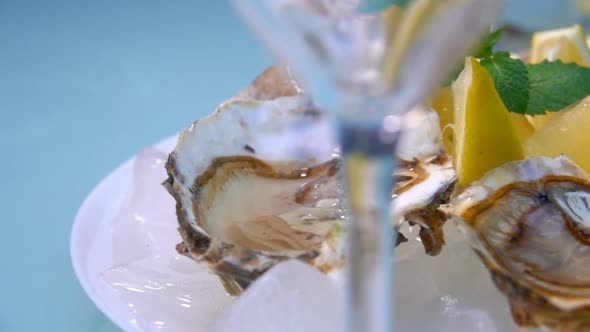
(511, 80)
(487, 44)
(533, 89)
(556, 85)
(484, 49)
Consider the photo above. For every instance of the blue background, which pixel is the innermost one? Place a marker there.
(83, 86)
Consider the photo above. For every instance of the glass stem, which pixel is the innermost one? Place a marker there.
(368, 156)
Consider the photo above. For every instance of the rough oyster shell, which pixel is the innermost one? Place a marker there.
(424, 180)
(530, 223)
(249, 197)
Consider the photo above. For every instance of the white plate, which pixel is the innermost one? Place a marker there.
(123, 251)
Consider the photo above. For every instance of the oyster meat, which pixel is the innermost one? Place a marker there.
(529, 221)
(257, 182)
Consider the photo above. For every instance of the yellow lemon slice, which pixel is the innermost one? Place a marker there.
(566, 44)
(567, 132)
(392, 17)
(524, 129)
(402, 28)
(538, 121)
(442, 103)
(583, 6)
(485, 135)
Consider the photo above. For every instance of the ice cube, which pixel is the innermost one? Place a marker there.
(449, 292)
(146, 220)
(468, 321)
(168, 293)
(149, 198)
(291, 297)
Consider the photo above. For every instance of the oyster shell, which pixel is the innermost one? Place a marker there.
(424, 180)
(257, 182)
(530, 223)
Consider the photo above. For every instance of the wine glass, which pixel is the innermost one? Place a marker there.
(366, 74)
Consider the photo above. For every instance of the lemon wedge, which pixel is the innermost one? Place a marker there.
(403, 25)
(583, 6)
(567, 132)
(566, 44)
(524, 129)
(538, 121)
(485, 135)
(442, 103)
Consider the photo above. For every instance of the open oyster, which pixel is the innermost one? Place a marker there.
(256, 182)
(424, 180)
(530, 223)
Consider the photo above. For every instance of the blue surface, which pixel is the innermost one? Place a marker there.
(83, 86)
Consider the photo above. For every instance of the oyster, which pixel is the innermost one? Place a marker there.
(424, 180)
(530, 223)
(257, 182)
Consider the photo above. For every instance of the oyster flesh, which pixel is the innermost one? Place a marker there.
(529, 221)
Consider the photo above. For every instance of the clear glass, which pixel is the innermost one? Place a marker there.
(362, 72)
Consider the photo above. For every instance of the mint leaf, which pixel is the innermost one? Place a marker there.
(487, 44)
(511, 80)
(373, 6)
(402, 3)
(483, 50)
(556, 85)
